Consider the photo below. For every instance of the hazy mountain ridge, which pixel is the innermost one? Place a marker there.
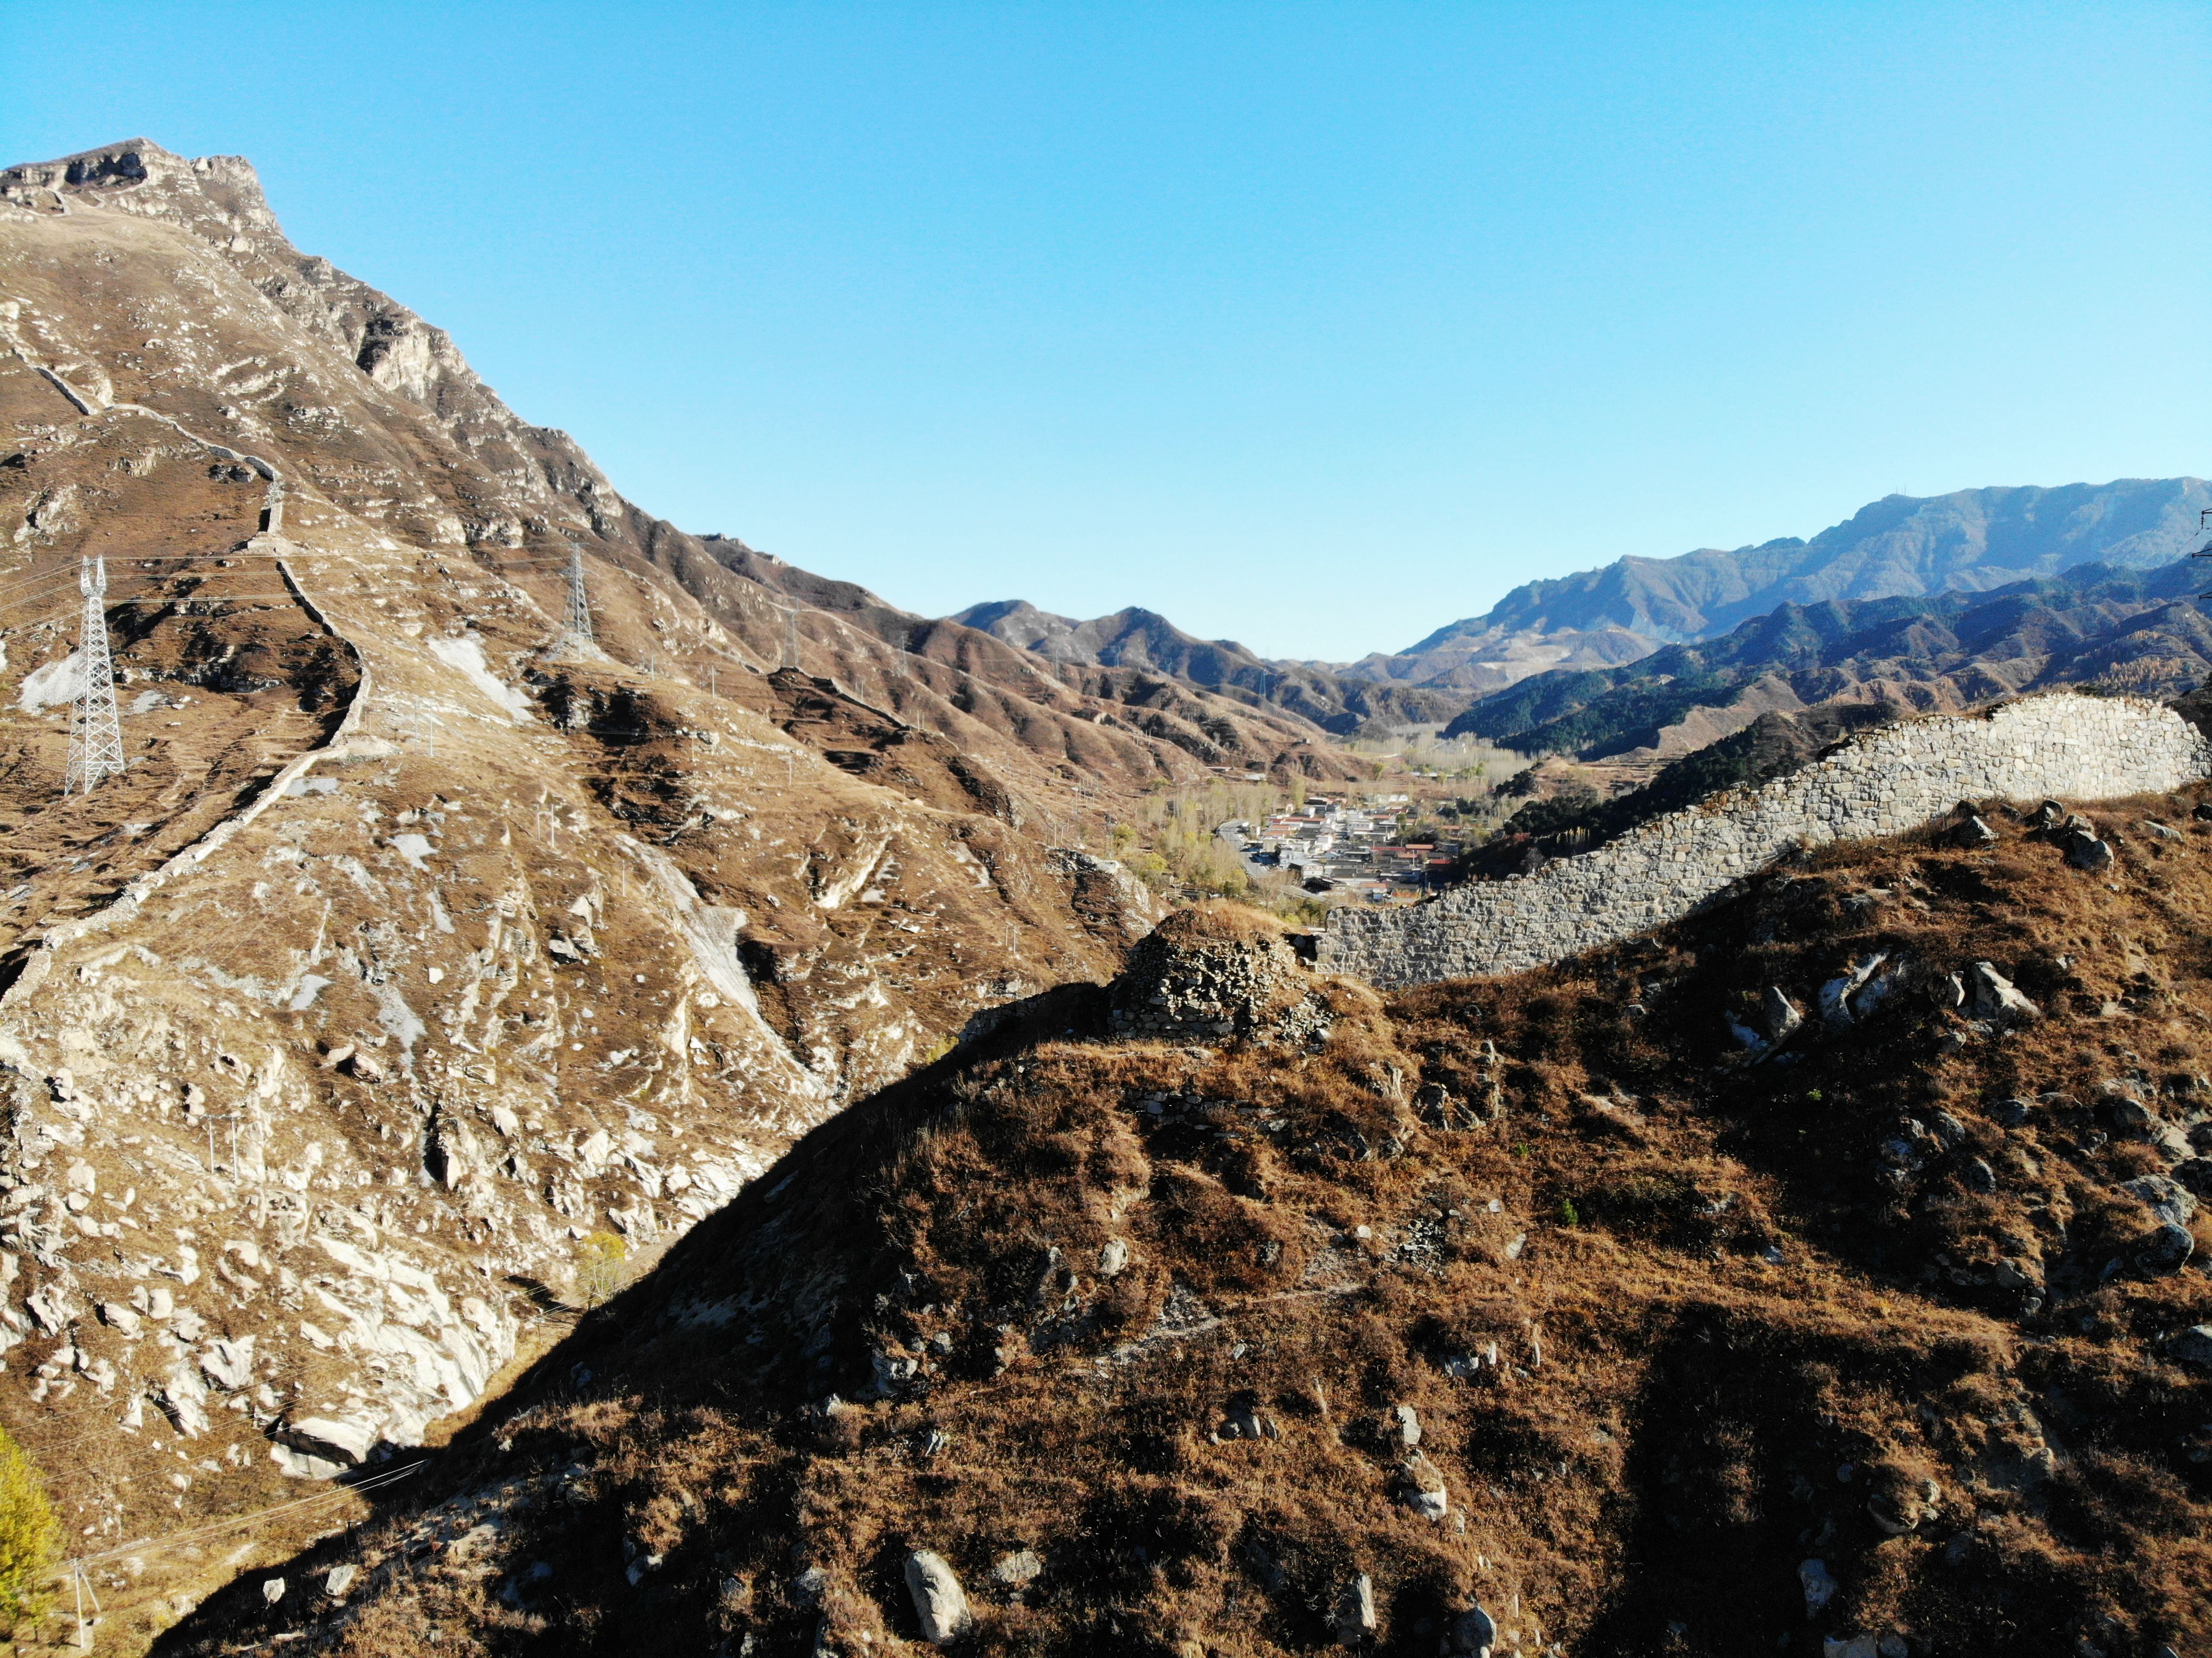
(1145, 640)
(1967, 542)
(2141, 631)
(1902, 545)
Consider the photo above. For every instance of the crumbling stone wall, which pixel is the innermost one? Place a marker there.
(2064, 745)
(1199, 978)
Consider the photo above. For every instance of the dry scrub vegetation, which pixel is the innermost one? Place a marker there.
(1675, 1318)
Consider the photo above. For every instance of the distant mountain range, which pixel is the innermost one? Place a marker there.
(1144, 641)
(1569, 628)
(2144, 631)
(1971, 540)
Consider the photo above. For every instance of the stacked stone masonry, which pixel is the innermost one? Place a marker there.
(2064, 745)
(1205, 990)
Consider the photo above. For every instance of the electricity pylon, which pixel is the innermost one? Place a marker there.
(96, 735)
(577, 630)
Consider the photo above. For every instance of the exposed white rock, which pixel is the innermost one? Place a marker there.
(939, 1601)
(1994, 997)
(1423, 1488)
(1355, 1611)
(349, 1438)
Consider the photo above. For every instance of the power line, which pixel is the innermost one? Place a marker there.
(372, 1483)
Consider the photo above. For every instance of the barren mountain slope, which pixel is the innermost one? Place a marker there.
(1823, 1270)
(406, 953)
(140, 277)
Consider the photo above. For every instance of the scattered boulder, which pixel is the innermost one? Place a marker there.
(2166, 1199)
(1978, 1175)
(364, 1067)
(939, 1601)
(2192, 1345)
(2166, 1250)
(1355, 1611)
(2196, 1173)
(2014, 1113)
(1904, 1509)
(2085, 851)
(1974, 832)
(339, 1580)
(272, 1590)
(228, 1364)
(1472, 1634)
(1245, 1421)
(1783, 1016)
(1018, 1570)
(1422, 1488)
(1812, 1576)
(1113, 1257)
(348, 1439)
(1994, 997)
(2048, 816)
(1406, 1425)
(1835, 997)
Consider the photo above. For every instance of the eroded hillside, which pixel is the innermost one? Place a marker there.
(1820, 1273)
(418, 942)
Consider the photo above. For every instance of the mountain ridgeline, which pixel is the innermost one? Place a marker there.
(1569, 632)
(2142, 631)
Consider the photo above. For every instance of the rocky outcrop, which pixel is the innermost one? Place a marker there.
(1899, 778)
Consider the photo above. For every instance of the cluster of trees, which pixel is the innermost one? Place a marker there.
(1173, 846)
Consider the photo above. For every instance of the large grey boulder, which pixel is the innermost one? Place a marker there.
(939, 1601)
(2084, 851)
(2167, 1200)
(1994, 997)
(2166, 1250)
(1472, 1634)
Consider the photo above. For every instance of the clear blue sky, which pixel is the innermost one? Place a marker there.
(1314, 325)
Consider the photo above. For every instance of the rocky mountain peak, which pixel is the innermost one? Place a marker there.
(218, 197)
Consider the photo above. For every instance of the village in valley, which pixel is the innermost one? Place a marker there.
(1302, 849)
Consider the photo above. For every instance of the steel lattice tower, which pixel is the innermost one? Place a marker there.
(96, 738)
(577, 630)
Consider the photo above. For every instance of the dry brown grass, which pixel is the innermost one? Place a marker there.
(1665, 1436)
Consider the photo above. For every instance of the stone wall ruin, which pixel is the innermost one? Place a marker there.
(2065, 745)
